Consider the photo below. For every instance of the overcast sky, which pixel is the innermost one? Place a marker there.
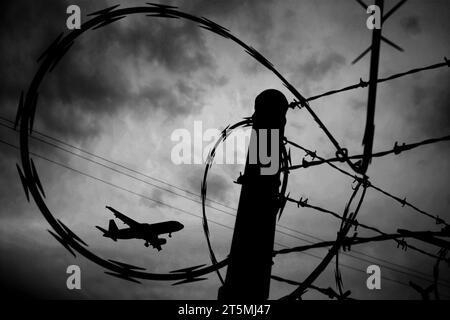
(122, 90)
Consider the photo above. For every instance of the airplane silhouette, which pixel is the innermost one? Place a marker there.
(136, 230)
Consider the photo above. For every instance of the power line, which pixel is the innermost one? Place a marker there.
(114, 163)
(132, 177)
(168, 11)
(168, 190)
(231, 214)
(164, 203)
(111, 184)
(113, 169)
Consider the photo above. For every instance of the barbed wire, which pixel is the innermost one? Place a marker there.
(364, 84)
(334, 250)
(27, 111)
(159, 202)
(329, 292)
(396, 150)
(152, 199)
(441, 256)
(400, 243)
(65, 150)
(346, 224)
(354, 240)
(171, 206)
(362, 164)
(228, 213)
(403, 201)
(104, 17)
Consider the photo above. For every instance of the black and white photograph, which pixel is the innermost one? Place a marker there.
(237, 151)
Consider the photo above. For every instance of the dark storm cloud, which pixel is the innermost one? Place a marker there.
(411, 25)
(20, 42)
(229, 8)
(253, 17)
(317, 67)
(430, 111)
(92, 80)
(177, 45)
(104, 89)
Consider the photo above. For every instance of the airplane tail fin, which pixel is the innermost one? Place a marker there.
(112, 227)
(111, 232)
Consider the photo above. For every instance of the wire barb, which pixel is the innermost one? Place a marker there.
(363, 84)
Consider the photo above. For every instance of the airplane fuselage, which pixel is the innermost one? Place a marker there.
(144, 231)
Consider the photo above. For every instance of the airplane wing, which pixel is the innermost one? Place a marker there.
(130, 222)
